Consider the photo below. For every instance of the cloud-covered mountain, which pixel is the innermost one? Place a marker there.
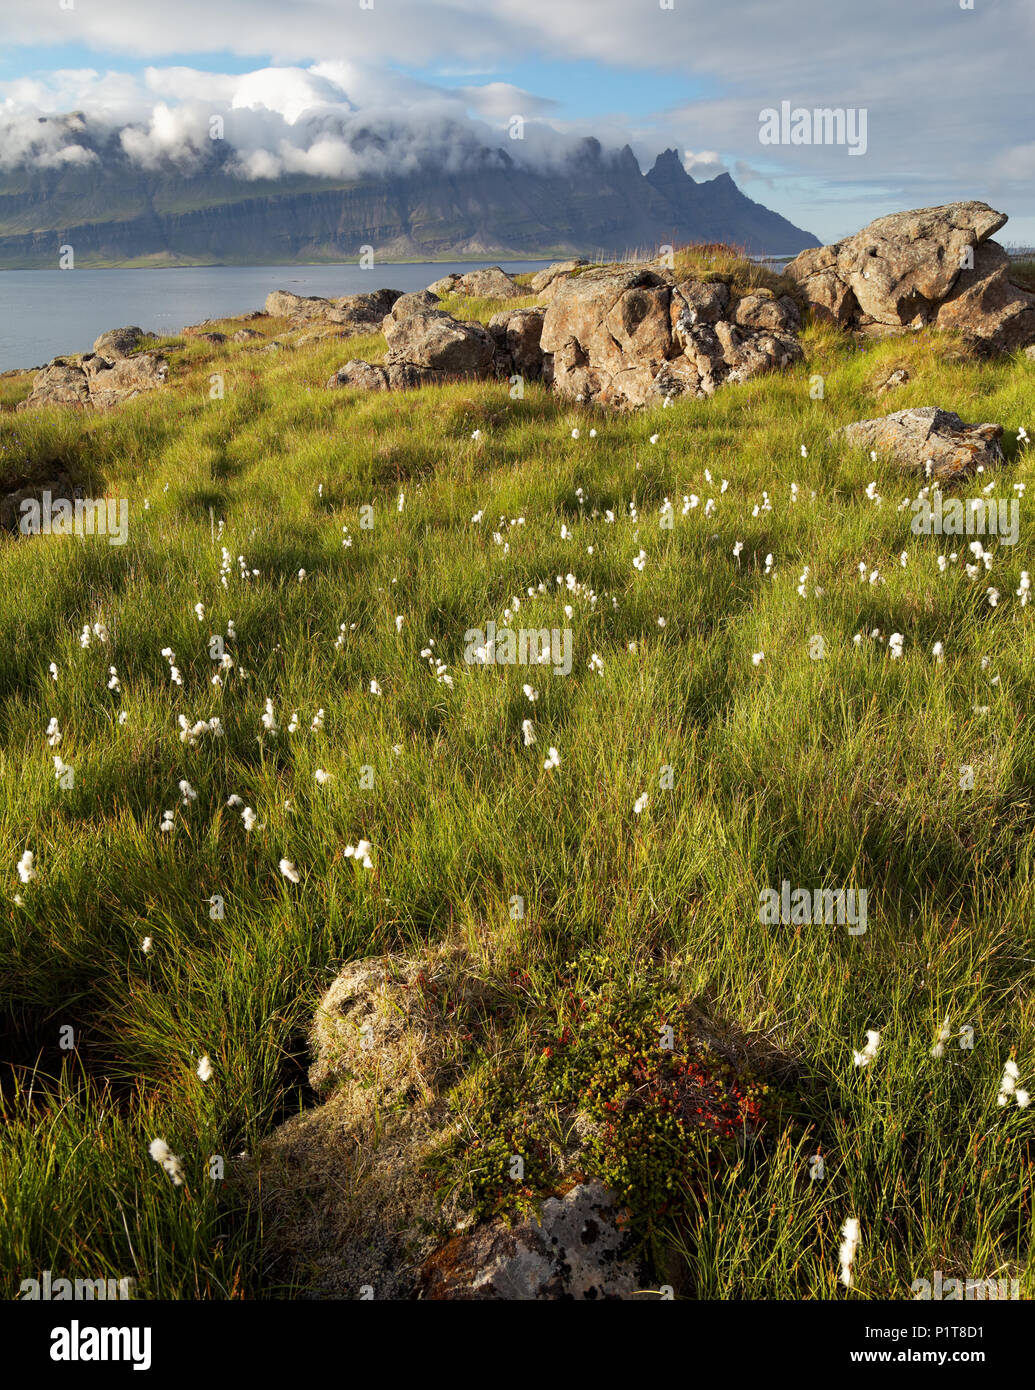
(321, 182)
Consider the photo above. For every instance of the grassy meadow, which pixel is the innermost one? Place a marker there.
(837, 771)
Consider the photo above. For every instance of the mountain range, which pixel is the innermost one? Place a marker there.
(114, 211)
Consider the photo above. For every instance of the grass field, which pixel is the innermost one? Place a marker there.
(841, 771)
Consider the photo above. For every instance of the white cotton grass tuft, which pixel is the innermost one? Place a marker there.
(375, 689)
(289, 871)
(322, 777)
(553, 760)
(528, 732)
(205, 1068)
(849, 1247)
(869, 1051)
(640, 803)
(1008, 1087)
(360, 853)
(161, 1153)
(944, 1034)
(53, 733)
(26, 872)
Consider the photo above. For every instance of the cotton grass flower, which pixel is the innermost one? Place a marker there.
(161, 1153)
(944, 1034)
(205, 1068)
(847, 1252)
(375, 689)
(360, 853)
(640, 803)
(1008, 1087)
(553, 760)
(866, 1056)
(146, 945)
(168, 820)
(757, 658)
(322, 777)
(528, 732)
(251, 821)
(289, 871)
(26, 872)
(895, 644)
(53, 733)
(187, 792)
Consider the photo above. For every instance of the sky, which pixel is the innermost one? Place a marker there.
(944, 84)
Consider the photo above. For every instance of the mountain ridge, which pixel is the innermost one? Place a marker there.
(598, 204)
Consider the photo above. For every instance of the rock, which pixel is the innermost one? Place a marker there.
(762, 310)
(364, 376)
(439, 343)
(359, 312)
(544, 278)
(216, 338)
(1029, 352)
(415, 303)
(898, 377)
(246, 335)
(96, 382)
(491, 283)
(11, 516)
(517, 334)
(575, 1250)
(120, 342)
(912, 437)
(623, 336)
(907, 271)
(440, 288)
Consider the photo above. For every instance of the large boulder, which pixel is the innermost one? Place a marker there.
(436, 342)
(624, 336)
(361, 313)
(440, 288)
(363, 376)
(414, 303)
(490, 283)
(542, 279)
(930, 441)
(96, 382)
(120, 342)
(929, 267)
(517, 334)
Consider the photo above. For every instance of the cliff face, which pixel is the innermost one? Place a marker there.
(599, 205)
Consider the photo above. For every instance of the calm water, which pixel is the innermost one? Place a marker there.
(45, 313)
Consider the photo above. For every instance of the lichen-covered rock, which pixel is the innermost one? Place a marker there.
(95, 382)
(576, 1249)
(414, 303)
(490, 283)
(362, 313)
(120, 342)
(247, 335)
(437, 342)
(930, 441)
(543, 279)
(363, 376)
(624, 336)
(440, 288)
(929, 267)
(517, 334)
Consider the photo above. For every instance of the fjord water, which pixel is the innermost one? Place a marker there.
(47, 313)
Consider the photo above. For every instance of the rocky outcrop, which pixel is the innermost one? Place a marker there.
(361, 313)
(415, 303)
(623, 337)
(542, 281)
(926, 440)
(491, 283)
(576, 1249)
(96, 382)
(933, 267)
(427, 347)
(517, 335)
(120, 342)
